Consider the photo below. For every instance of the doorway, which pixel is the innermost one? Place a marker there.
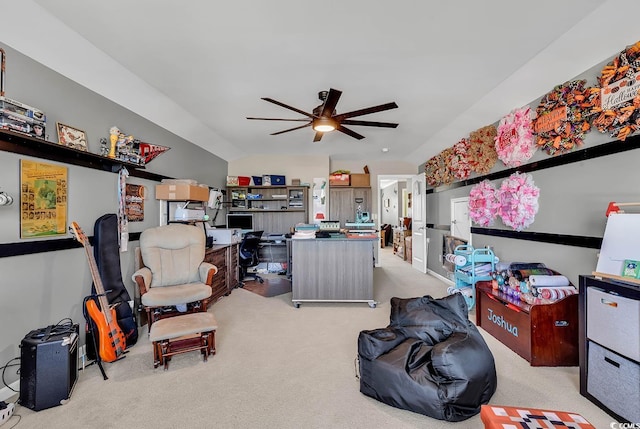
(419, 241)
(392, 196)
(460, 221)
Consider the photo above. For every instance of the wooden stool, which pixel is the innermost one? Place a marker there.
(181, 334)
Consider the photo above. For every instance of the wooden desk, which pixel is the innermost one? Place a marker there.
(225, 257)
(332, 270)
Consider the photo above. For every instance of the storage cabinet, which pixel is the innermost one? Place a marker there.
(544, 335)
(268, 198)
(343, 205)
(275, 209)
(477, 266)
(332, 270)
(609, 337)
(225, 257)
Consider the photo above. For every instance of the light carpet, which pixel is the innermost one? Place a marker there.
(282, 367)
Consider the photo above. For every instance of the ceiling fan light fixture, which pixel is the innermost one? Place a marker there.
(324, 125)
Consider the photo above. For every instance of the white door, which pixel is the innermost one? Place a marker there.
(460, 221)
(419, 243)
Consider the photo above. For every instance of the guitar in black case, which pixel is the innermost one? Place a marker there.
(107, 254)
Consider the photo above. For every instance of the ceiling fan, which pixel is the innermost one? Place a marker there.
(325, 119)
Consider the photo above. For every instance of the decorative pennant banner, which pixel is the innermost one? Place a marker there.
(150, 151)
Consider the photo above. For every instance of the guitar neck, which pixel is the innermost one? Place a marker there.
(97, 282)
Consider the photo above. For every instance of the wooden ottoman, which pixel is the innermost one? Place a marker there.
(501, 417)
(181, 334)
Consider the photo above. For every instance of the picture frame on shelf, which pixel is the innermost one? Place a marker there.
(71, 137)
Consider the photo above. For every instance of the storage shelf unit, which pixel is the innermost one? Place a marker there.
(467, 275)
(609, 319)
(343, 205)
(276, 209)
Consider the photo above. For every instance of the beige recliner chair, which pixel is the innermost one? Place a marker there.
(173, 278)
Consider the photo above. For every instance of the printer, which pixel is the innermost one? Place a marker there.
(224, 235)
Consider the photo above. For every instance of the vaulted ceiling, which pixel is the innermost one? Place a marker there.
(199, 68)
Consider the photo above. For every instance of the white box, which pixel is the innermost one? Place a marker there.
(189, 214)
(225, 235)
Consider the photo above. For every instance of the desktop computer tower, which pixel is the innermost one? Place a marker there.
(48, 366)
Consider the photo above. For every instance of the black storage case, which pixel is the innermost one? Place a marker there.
(48, 366)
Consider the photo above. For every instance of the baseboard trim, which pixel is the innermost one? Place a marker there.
(439, 277)
(6, 392)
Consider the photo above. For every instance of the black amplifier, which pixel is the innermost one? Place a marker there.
(48, 366)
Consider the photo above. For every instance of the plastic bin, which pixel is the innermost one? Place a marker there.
(278, 180)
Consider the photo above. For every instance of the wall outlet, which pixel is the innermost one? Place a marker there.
(82, 355)
(440, 258)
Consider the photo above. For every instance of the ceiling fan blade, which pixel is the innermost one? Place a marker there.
(280, 119)
(330, 103)
(318, 136)
(368, 110)
(291, 129)
(271, 100)
(349, 132)
(369, 123)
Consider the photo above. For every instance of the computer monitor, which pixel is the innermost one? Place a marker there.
(241, 221)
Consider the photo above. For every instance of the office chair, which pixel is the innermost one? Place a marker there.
(248, 255)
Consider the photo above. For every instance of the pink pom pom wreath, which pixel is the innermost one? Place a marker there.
(518, 198)
(483, 203)
(514, 141)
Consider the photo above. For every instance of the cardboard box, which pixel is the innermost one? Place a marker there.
(500, 417)
(360, 180)
(238, 180)
(338, 180)
(182, 192)
(13, 106)
(22, 124)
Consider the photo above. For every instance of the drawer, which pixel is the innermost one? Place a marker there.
(613, 321)
(217, 258)
(614, 381)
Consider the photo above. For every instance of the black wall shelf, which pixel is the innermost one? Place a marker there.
(593, 152)
(41, 246)
(31, 146)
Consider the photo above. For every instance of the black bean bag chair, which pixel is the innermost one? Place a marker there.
(431, 359)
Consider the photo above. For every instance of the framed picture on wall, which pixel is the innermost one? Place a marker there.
(71, 137)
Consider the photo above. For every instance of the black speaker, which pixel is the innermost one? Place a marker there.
(48, 366)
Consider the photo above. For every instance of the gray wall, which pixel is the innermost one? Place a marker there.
(573, 201)
(41, 289)
(389, 214)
